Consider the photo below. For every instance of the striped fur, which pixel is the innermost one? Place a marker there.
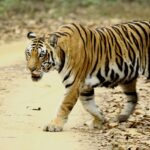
(87, 58)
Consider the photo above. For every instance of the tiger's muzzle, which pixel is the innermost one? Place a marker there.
(35, 69)
(36, 75)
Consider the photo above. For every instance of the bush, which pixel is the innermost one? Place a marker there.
(63, 7)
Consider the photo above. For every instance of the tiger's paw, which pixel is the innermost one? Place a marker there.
(55, 125)
(94, 124)
(123, 118)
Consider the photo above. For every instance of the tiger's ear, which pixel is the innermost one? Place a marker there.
(53, 40)
(31, 35)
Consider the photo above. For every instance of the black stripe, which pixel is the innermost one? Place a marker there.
(120, 34)
(40, 45)
(85, 45)
(100, 77)
(67, 33)
(33, 44)
(39, 41)
(134, 55)
(137, 32)
(91, 36)
(119, 62)
(106, 66)
(68, 28)
(137, 70)
(137, 45)
(67, 76)
(112, 75)
(79, 34)
(70, 107)
(99, 33)
(146, 23)
(143, 29)
(124, 40)
(131, 93)
(129, 54)
(104, 39)
(95, 65)
(62, 59)
(110, 36)
(86, 36)
(125, 69)
(135, 41)
(62, 33)
(125, 31)
(110, 44)
(94, 42)
(110, 49)
(134, 72)
(107, 83)
(75, 78)
(96, 55)
(70, 84)
(51, 55)
(132, 69)
(87, 93)
(116, 42)
(100, 49)
(116, 77)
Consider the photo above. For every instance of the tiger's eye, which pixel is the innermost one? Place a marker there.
(41, 55)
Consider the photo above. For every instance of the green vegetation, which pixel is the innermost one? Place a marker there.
(87, 8)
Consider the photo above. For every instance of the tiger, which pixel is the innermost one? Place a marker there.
(86, 58)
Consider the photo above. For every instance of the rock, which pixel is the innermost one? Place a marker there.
(37, 108)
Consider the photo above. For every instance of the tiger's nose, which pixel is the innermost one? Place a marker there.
(32, 69)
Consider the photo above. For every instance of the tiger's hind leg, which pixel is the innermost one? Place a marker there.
(132, 98)
(87, 100)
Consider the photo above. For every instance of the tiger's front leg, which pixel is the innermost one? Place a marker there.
(87, 100)
(70, 99)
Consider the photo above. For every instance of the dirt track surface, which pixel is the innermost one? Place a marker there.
(25, 107)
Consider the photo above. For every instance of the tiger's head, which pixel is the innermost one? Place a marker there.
(43, 54)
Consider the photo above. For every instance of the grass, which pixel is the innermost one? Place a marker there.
(138, 9)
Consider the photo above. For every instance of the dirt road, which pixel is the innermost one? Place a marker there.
(25, 107)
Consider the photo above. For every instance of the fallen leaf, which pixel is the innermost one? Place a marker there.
(113, 124)
(132, 131)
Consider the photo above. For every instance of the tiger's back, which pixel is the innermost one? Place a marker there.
(110, 55)
(123, 53)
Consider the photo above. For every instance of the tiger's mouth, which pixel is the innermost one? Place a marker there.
(36, 75)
